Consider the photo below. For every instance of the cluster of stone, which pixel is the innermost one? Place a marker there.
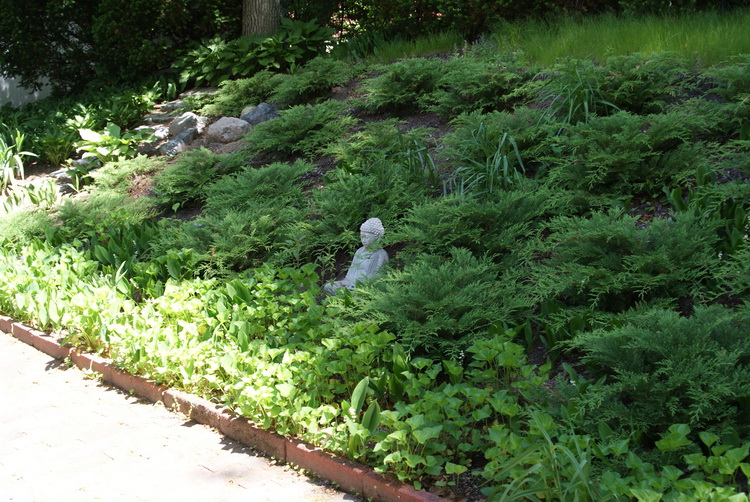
(176, 133)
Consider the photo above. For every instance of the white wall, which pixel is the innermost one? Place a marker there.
(11, 92)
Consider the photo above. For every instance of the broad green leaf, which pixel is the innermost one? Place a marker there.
(451, 468)
(708, 438)
(372, 417)
(358, 396)
(427, 433)
(285, 389)
(675, 438)
(89, 135)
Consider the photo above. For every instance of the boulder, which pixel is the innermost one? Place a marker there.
(187, 120)
(179, 143)
(228, 129)
(254, 115)
(171, 106)
(160, 133)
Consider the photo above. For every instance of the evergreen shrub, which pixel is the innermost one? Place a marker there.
(347, 200)
(438, 306)
(663, 369)
(234, 95)
(245, 220)
(301, 130)
(183, 184)
(644, 85)
(279, 183)
(606, 262)
(623, 153)
(468, 84)
(475, 136)
(313, 82)
(402, 86)
(491, 227)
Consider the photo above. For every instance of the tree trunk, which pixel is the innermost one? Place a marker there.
(260, 17)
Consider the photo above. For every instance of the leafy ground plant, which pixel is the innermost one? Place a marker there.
(111, 144)
(11, 157)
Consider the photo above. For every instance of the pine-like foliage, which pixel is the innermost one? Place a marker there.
(245, 219)
(301, 130)
(623, 153)
(492, 227)
(664, 369)
(438, 306)
(606, 262)
(184, 183)
(401, 86)
(313, 81)
(469, 84)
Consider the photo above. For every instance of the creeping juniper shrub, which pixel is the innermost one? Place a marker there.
(234, 95)
(604, 261)
(622, 153)
(377, 141)
(468, 85)
(402, 86)
(313, 82)
(246, 218)
(99, 211)
(643, 85)
(24, 225)
(118, 176)
(491, 227)
(279, 183)
(663, 369)
(570, 93)
(347, 200)
(731, 81)
(301, 130)
(184, 183)
(438, 305)
(475, 136)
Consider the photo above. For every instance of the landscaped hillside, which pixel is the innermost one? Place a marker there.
(564, 314)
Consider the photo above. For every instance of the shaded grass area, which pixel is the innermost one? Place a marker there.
(703, 39)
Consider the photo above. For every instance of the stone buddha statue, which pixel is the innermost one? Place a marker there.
(367, 261)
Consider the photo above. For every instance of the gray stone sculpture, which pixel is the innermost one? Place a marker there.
(367, 261)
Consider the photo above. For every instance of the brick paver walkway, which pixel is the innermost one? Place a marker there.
(64, 437)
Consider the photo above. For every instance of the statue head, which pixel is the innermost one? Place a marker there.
(371, 232)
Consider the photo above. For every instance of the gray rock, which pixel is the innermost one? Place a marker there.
(61, 176)
(160, 133)
(228, 129)
(171, 106)
(187, 120)
(157, 118)
(179, 143)
(260, 113)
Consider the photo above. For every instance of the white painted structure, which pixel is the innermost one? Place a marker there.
(12, 92)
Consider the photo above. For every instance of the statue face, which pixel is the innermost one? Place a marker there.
(368, 238)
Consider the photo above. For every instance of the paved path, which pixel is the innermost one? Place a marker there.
(64, 437)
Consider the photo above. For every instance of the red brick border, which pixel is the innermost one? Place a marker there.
(351, 476)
